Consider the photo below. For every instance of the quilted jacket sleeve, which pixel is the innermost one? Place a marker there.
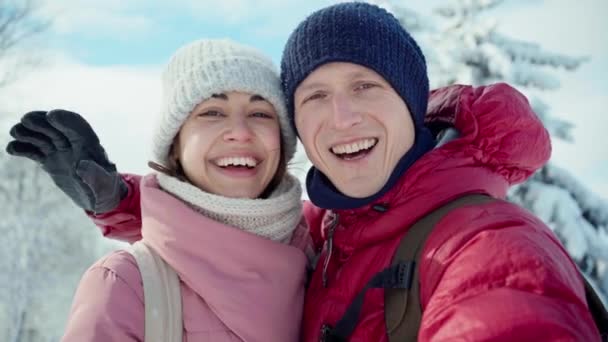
(124, 222)
(503, 277)
(108, 304)
(495, 272)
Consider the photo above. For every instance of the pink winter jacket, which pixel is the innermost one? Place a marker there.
(235, 286)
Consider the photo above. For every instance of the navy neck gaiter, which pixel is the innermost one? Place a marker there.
(324, 194)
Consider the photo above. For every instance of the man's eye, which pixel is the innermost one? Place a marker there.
(365, 86)
(316, 96)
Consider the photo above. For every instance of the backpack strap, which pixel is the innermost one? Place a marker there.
(403, 320)
(398, 276)
(162, 296)
(402, 310)
(401, 284)
(600, 315)
(398, 281)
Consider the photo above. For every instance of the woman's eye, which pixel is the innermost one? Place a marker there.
(211, 113)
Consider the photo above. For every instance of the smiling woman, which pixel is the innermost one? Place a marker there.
(221, 223)
(222, 194)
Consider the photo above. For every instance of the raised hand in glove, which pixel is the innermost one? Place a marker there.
(68, 149)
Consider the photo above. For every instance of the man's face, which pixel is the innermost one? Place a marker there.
(354, 126)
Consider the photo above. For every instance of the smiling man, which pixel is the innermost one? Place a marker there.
(357, 90)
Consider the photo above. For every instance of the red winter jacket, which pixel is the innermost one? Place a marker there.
(490, 272)
(487, 272)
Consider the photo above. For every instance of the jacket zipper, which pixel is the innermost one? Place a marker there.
(330, 247)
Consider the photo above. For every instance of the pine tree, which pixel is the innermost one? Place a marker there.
(463, 45)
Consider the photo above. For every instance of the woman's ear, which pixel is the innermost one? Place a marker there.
(174, 154)
(173, 160)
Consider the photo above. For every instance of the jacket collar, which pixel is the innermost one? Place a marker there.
(432, 181)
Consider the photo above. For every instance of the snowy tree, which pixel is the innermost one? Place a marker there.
(463, 45)
(47, 242)
(47, 245)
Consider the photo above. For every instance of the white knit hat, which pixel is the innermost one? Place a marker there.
(206, 67)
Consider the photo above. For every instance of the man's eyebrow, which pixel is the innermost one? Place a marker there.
(312, 85)
(358, 74)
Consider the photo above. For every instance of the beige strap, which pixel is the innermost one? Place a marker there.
(162, 296)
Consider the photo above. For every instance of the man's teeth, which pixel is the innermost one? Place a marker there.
(237, 161)
(354, 147)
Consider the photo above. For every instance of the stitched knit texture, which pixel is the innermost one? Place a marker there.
(274, 218)
(206, 67)
(363, 34)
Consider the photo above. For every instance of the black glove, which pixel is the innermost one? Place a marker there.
(69, 151)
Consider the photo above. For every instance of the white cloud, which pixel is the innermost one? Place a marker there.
(232, 11)
(119, 19)
(235, 11)
(120, 102)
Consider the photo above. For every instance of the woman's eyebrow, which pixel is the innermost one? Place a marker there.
(255, 98)
(220, 96)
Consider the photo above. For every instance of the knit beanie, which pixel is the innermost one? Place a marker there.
(363, 34)
(366, 35)
(206, 67)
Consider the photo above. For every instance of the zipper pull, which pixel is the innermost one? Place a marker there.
(330, 247)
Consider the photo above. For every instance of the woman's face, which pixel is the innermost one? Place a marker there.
(230, 145)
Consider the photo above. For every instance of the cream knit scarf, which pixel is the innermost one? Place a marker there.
(274, 218)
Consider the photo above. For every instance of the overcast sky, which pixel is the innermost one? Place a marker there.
(103, 59)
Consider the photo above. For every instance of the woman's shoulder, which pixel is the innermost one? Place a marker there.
(108, 304)
(118, 268)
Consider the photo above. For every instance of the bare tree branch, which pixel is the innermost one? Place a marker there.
(19, 23)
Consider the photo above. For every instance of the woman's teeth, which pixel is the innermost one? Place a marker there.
(237, 161)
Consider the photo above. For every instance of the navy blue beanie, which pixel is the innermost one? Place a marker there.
(366, 35)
